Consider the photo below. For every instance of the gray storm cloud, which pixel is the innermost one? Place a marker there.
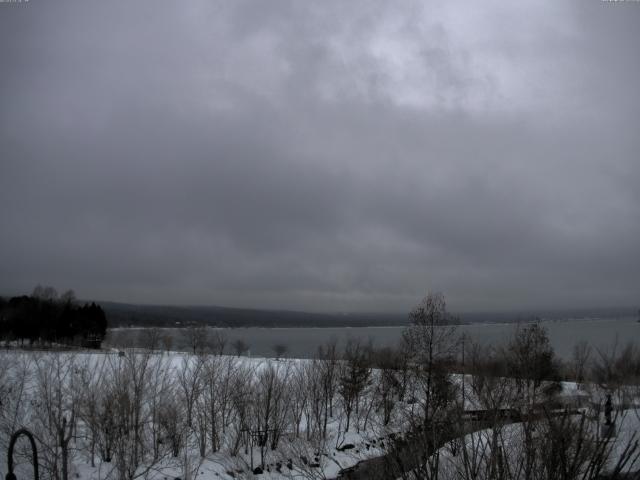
(322, 156)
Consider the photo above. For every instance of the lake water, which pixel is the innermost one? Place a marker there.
(304, 342)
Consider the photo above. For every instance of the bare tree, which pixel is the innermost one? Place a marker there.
(197, 338)
(317, 405)
(354, 377)
(389, 380)
(160, 386)
(92, 380)
(98, 411)
(68, 298)
(491, 394)
(130, 408)
(46, 293)
(15, 378)
(217, 342)
(243, 394)
(329, 365)
(240, 347)
(580, 360)
(167, 342)
(299, 387)
(171, 422)
(431, 344)
(531, 362)
(150, 338)
(271, 404)
(57, 395)
(218, 377)
(279, 349)
(189, 383)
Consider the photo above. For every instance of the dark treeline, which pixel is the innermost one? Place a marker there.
(46, 318)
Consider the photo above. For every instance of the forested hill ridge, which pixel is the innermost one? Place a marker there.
(131, 315)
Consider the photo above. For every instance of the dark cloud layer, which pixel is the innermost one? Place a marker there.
(324, 155)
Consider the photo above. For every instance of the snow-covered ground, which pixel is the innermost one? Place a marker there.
(45, 392)
(294, 457)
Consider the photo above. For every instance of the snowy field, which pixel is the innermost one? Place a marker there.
(169, 380)
(129, 415)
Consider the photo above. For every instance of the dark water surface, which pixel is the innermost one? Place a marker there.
(304, 342)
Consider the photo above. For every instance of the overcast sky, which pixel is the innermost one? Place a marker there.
(322, 155)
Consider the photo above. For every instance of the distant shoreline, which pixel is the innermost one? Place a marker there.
(323, 327)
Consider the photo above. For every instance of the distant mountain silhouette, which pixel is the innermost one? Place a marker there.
(122, 314)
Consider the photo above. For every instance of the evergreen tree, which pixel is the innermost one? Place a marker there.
(46, 318)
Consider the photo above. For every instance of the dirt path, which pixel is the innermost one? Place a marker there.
(406, 455)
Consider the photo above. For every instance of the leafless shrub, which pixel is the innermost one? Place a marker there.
(151, 338)
(218, 381)
(240, 347)
(197, 338)
(280, 350)
(217, 342)
(56, 397)
(354, 378)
